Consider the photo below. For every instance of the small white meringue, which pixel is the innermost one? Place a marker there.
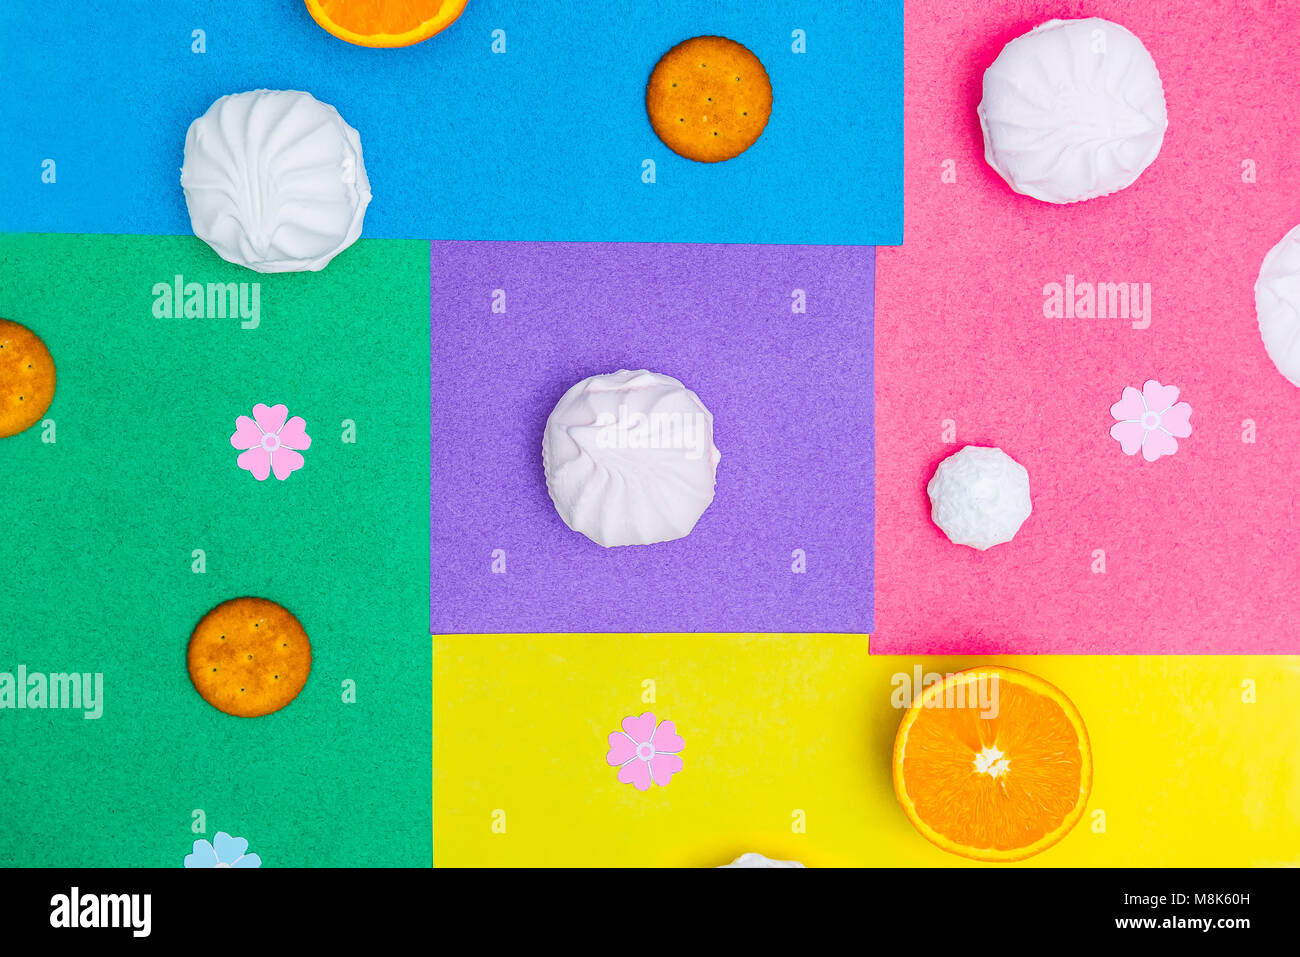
(979, 496)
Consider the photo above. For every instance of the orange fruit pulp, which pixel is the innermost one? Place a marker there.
(385, 23)
(993, 764)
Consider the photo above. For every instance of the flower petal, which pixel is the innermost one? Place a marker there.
(663, 767)
(1129, 434)
(640, 729)
(247, 434)
(285, 462)
(229, 849)
(1129, 406)
(1178, 420)
(666, 739)
(269, 419)
(248, 860)
(637, 774)
(622, 749)
(203, 856)
(257, 461)
(1159, 397)
(1158, 442)
(294, 434)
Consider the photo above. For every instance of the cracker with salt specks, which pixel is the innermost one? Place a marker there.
(249, 657)
(26, 378)
(709, 99)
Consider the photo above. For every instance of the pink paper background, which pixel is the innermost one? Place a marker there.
(1202, 548)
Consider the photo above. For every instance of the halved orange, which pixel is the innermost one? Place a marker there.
(385, 23)
(993, 764)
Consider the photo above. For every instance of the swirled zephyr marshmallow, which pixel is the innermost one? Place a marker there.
(274, 180)
(1072, 110)
(629, 458)
(1277, 305)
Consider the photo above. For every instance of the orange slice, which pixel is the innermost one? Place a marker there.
(385, 23)
(993, 764)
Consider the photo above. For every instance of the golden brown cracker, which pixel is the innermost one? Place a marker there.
(709, 99)
(249, 657)
(26, 378)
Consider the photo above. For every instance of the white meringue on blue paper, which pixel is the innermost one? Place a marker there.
(274, 181)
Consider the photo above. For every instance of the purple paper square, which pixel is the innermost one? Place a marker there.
(791, 393)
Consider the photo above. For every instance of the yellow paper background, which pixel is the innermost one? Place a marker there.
(1187, 772)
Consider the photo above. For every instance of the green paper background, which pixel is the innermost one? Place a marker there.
(96, 541)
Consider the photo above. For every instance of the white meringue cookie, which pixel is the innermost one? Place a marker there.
(1072, 110)
(274, 180)
(1277, 305)
(752, 859)
(629, 458)
(979, 496)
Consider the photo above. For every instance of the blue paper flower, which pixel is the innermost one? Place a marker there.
(224, 851)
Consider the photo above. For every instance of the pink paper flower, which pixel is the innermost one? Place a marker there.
(645, 753)
(1149, 420)
(271, 444)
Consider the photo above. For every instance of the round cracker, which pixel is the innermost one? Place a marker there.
(27, 378)
(709, 99)
(249, 657)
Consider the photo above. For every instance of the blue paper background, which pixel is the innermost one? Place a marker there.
(543, 142)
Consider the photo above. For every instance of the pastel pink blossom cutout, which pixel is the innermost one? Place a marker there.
(645, 752)
(1151, 420)
(271, 442)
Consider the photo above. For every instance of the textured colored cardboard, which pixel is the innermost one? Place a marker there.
(98, 552)
(790, 394)
(547, 140)
(786, 747)
(1195, 552)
